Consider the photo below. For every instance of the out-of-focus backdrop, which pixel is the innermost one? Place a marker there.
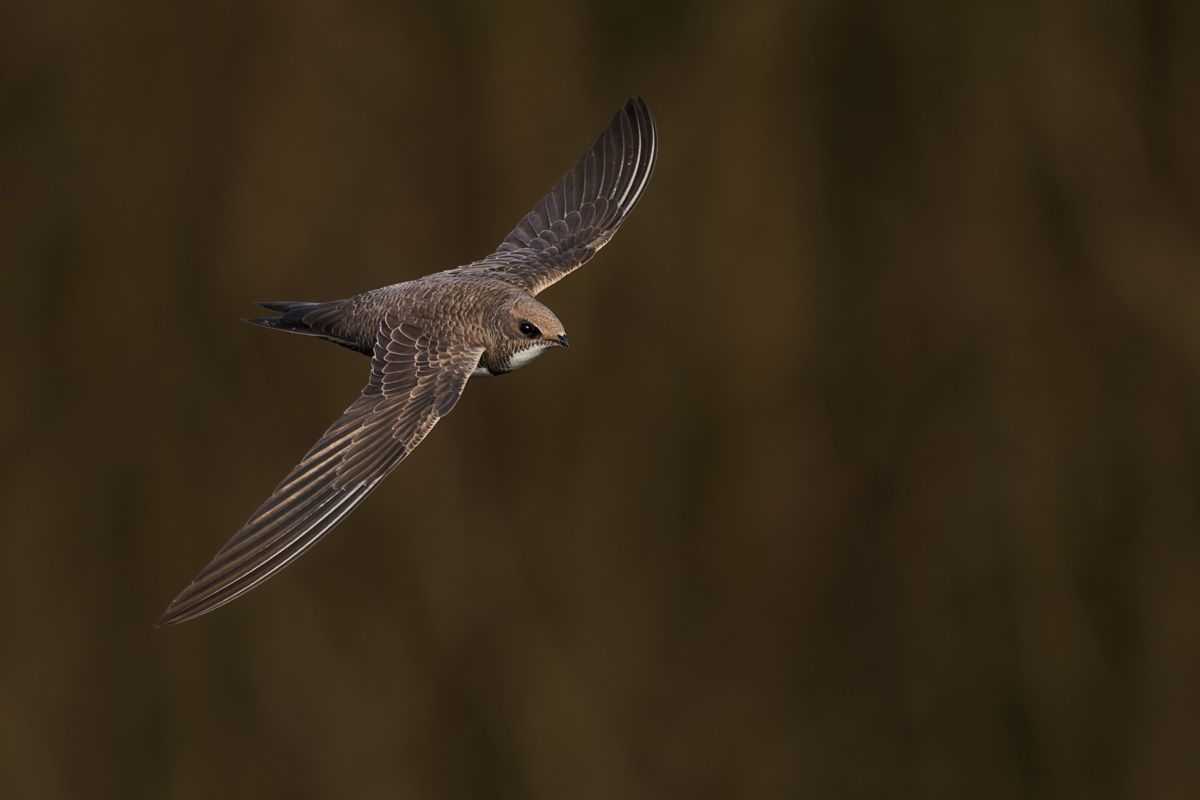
(872, 470)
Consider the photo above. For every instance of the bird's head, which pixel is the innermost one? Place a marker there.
(531, 325)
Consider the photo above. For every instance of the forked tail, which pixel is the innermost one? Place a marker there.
(324, 320)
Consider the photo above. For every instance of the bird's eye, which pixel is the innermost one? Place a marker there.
(529, 330)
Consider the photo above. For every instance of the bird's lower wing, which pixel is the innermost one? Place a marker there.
(415, 381)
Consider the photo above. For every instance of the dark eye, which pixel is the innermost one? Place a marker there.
(529, 330)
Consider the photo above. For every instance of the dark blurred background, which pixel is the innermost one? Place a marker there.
(871, 472)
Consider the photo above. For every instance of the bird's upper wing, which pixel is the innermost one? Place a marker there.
(415, 380)
(584, 209)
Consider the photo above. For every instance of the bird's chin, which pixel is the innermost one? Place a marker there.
(523, 357)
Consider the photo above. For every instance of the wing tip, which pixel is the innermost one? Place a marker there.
(188, 606)
(172, 616)
(637, 115)
(637, 108)
(181, 609)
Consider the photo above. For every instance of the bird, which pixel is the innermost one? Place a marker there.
(426, 338)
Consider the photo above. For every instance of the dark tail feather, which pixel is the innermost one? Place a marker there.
(311, 319)
(279, 324)
(288, 306)
(292, 319)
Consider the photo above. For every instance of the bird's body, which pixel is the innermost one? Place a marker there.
(426, 338)
(469, 309)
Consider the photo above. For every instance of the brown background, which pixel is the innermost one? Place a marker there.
(871, 472)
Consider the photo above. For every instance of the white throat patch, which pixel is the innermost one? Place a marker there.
(523, 357)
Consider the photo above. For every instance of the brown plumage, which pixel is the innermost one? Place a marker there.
(426, 338)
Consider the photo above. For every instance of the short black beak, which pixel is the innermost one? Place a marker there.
(563, 341)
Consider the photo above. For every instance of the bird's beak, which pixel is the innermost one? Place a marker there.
(562, 339)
